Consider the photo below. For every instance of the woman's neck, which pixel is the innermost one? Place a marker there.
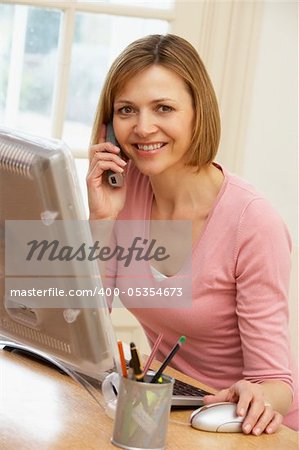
(181, 194)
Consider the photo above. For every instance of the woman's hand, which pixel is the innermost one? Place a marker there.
(105, 202)
(251, 404)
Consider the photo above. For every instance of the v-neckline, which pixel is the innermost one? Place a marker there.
(211, 212)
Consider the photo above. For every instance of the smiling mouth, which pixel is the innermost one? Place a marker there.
(149, 147)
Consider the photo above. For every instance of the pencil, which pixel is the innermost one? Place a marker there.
(168, 359)
(153, 353)
(122, 359)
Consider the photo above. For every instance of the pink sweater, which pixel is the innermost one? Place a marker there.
(237, 325)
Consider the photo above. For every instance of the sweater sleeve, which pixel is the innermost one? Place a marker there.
(262, 264)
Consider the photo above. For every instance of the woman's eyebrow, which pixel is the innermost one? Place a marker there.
(163, 99)
(158, 100)
(123, 101)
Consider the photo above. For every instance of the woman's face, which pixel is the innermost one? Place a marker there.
(153, 120)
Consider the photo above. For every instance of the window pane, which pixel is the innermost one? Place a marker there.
(159, 4)
(98, 40)
(6, 21)
(31, 68)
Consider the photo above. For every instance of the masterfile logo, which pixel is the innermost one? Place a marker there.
(140, 249)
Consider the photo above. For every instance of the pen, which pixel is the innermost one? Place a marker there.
(168, 359)
(122, 359)
(135, 362)
(153, 353)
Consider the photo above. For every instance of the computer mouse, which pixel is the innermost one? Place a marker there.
(220, 417)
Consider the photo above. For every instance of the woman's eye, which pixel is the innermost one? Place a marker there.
(165, 108)
(126, 110)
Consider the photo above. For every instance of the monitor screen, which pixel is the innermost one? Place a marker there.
(39, 191)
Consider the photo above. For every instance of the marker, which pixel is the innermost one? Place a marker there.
(167, 360)
(135, 363)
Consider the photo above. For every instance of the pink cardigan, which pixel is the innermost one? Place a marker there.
(237, 323)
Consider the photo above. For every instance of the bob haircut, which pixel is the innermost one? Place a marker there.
(176, 54)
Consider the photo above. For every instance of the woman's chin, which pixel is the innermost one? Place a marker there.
(150, 172)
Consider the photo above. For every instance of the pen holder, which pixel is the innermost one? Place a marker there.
(142, 413)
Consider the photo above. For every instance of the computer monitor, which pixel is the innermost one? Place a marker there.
(38, 182)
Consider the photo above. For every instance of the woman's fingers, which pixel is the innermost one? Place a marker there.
(244, 397)
(95, 174)
(106, 157)
(275, 423)
(104, 201)
(269, 421)
(256, 414)
(259, 415)
(101, 162)
(104, 147)
(220, 396)
(102, 144)
(101, 140)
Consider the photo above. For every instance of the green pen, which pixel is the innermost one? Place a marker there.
(178, 345)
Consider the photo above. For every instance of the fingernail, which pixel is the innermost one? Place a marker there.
(257, 431)
(247, 427)
(241, 412)
(269, 430)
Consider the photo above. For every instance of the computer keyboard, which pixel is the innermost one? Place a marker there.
(185, 395)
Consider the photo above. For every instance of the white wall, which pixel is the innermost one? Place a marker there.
(270, 155)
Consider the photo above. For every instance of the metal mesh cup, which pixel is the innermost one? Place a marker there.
(142, 413)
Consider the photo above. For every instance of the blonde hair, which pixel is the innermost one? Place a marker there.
(177, 54)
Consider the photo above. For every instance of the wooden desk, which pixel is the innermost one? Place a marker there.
(43, 409)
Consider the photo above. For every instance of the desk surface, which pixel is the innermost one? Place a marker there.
(43, 409)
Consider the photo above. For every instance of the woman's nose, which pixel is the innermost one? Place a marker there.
(145, 125)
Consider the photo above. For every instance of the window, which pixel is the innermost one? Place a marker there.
(54, 57)
(29, 55)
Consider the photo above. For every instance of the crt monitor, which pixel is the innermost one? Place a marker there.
(38, 182)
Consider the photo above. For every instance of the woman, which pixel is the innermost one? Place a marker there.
(165, 117)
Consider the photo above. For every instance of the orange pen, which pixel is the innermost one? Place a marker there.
(122, 359)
